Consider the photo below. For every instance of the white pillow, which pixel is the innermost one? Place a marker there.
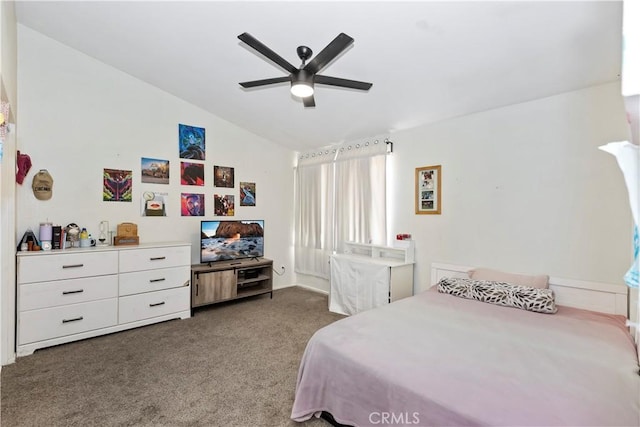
(539, 281)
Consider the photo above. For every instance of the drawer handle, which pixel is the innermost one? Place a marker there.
(71, 320)
(72, 292)
(156, 304)
(157, 280)
(157, 258)
(73, 266)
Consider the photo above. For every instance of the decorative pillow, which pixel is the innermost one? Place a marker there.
(539, 281)
(500, 293)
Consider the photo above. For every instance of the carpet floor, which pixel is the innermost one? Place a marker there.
(231, 364)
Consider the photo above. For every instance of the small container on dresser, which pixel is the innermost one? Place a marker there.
(72, 294)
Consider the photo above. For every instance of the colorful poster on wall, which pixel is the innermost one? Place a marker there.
(154, 171)
(223, 177)
(224, 205)
(154, 203)
(117, 185)
(192, 204)
(191, 142)
(247, 194)
(191, 173)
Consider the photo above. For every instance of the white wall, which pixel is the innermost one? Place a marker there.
(8, 92)
(80, 116)
(525, 189)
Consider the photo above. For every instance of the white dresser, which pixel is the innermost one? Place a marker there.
(366, 276)
(72, 294)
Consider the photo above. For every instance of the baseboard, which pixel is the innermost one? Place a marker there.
(309, 288)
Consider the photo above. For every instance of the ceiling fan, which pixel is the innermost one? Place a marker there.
(304, 78)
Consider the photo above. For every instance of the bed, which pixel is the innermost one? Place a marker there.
(438, 359)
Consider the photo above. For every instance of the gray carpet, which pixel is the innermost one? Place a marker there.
(232, 364)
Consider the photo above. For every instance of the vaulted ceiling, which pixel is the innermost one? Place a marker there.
(428, 61)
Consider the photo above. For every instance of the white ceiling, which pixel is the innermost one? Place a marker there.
(428, 61)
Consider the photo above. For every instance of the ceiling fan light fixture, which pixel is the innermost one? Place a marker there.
(304, 78)
(301, 89)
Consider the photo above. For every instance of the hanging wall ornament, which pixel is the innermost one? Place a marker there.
(23, 165)
(4, 118)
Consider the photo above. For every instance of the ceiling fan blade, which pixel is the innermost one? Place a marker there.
(309, 101)
(334, 81)
(261, 48)
(327, 54)
(264, 82)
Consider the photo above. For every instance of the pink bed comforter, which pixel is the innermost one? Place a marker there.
(439, 360)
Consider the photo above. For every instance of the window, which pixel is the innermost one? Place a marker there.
(340, 196)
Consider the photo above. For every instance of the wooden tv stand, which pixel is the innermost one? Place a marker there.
(229, 280)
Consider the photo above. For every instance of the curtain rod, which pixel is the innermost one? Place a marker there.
(336, 150)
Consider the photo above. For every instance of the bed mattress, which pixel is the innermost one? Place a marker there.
(436, 359)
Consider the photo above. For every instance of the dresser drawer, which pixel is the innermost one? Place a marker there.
(50, 267)
(47, 323)
(61, 292)
(154, 280)
(152, 304)
(152, 258)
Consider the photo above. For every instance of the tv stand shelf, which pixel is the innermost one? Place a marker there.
(229, 280)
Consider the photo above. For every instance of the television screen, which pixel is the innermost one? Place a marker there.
(229, 240)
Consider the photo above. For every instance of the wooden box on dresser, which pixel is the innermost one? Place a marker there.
(72, 294)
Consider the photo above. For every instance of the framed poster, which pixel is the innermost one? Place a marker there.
(154, 203)
(223, 176)
(191, 142)
(117, 185)
(428, 190)
(191, 204)
(247, 194)
(224, 205)
(154, 171)
(191, 173)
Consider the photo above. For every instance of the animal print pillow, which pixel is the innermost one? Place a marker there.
(500, 293)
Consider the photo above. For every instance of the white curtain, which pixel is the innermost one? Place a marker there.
(313, 222)
(340, 196)
(360, 194)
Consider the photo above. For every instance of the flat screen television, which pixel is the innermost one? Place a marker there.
(229, 240)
